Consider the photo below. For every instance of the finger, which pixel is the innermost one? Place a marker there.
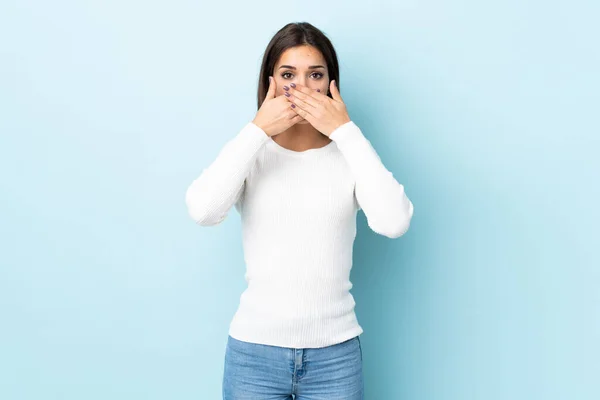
(302, 104)
(272, 88)
(307, 95)
(290, 112)
(335, 93)
(303, 113)
(319, 98)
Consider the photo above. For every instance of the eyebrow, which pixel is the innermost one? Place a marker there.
(310, 67)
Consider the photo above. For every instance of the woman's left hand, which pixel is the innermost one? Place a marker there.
(321, 111)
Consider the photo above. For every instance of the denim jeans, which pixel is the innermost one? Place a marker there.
(262, 372)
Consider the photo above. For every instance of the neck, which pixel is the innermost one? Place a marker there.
(301, 137)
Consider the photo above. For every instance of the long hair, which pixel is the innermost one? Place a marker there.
(292, 35)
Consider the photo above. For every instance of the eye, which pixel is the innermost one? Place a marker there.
(320, 75)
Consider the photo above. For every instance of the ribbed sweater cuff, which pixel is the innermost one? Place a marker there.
(253, 134)
(345, 134)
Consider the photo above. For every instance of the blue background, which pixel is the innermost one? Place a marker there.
(487, 112)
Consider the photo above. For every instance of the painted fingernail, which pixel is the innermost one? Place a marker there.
(286, 88)
(287, 94)
(293, 105)
(293, 85)
(318, 90)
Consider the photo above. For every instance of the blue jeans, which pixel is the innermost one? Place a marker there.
(262, 372)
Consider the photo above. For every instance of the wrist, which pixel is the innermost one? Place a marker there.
(259, 125)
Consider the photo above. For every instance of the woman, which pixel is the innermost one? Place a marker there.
(298, 173)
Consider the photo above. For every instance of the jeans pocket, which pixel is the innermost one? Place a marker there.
(360, 348)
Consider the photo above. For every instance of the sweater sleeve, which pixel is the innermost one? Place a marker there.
(382, 199)
(221, 185)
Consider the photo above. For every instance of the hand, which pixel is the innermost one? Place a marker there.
(275, 115)
(321, 111)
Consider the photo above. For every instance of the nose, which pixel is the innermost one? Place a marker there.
(301, 81)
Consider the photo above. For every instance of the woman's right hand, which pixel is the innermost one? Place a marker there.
(275, 114)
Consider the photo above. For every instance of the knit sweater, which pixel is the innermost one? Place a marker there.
(298, 214)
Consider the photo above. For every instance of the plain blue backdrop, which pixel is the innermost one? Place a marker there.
(487, 112)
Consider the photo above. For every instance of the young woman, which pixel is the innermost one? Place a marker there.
(297, 174)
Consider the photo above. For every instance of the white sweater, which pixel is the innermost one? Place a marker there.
(298, 212)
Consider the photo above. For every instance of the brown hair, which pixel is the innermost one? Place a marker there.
(292, 35)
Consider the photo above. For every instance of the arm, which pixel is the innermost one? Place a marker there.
(221, 185)
(378, 193)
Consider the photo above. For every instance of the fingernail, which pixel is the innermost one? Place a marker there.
(293, 105)
(287, 94)
(318, 90)
(334, 83)
(286, 88)
(293, 85)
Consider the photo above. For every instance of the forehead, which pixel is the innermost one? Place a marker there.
(301, 57)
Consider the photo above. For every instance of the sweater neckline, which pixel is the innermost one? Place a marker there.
(284, 150)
